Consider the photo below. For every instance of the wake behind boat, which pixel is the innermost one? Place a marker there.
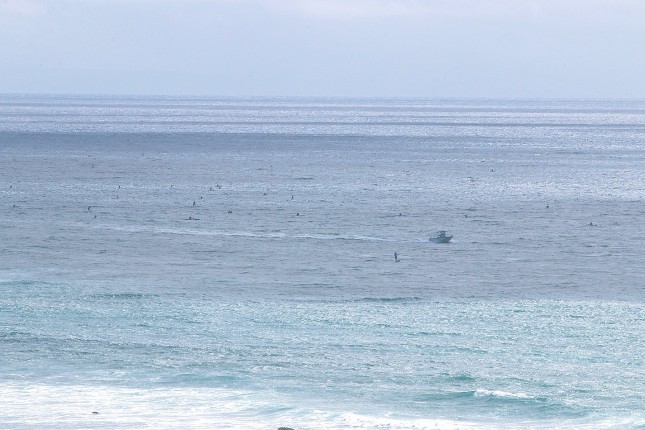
(441, 237)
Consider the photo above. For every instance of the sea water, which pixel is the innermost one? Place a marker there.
(229, 263)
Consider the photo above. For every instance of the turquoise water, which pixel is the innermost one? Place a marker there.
(228, 263)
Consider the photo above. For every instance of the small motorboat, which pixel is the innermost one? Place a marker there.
(441, 237)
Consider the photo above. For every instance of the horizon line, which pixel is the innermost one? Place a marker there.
(311, 97)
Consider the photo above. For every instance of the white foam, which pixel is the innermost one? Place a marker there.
(356, 421)
(40, 406)
(73, 406)
(502, 394)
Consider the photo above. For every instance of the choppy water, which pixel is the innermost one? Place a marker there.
(228, 263)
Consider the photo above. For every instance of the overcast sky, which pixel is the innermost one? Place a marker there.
(417, 48)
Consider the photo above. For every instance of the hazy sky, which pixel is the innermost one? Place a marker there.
(420, 48)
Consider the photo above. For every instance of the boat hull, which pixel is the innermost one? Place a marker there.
(444, 239)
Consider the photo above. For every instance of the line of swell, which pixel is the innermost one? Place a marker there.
(250, 234)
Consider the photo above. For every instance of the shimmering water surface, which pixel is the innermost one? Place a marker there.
(229, 263)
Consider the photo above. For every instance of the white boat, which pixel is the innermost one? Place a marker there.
(441, 237)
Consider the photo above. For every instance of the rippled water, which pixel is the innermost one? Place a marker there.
(228, 263)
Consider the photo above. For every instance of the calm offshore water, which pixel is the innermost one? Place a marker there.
(229, 263)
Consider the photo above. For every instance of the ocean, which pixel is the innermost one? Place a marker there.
(228, 263)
